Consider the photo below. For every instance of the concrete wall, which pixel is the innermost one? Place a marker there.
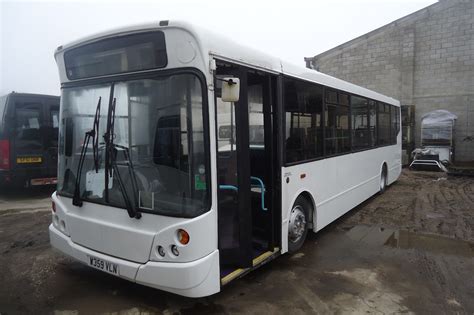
(425, 59)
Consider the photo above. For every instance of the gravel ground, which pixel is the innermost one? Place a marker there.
(409, 250)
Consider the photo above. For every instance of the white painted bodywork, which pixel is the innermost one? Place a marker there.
(335, 184)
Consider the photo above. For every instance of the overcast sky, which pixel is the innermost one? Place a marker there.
(291, 29)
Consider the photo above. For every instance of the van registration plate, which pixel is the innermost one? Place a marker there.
(29, 159)
(103, 265)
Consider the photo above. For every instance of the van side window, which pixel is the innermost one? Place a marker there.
(54, 116)
(28, 120)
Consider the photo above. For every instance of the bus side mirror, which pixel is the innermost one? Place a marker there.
(230, 89)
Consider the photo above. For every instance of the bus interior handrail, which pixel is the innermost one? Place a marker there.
(259, 184)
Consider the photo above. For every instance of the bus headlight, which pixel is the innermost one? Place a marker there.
(174, 250)
(62, 226)
(55, 221)
(161, 251)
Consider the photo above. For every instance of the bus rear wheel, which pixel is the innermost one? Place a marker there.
(298, 224)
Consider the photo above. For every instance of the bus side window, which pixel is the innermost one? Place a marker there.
(373, 123)
(383, 125)
(303, 112)
(361, 137)
(395, 123)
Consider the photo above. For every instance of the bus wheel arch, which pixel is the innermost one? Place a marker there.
(309, 198)
(300, 220)
(383, 177)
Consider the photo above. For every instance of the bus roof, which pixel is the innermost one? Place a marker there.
(223, 48)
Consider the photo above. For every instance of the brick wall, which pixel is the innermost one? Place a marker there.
(425, 59)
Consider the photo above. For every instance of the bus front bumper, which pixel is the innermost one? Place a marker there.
(192, 279)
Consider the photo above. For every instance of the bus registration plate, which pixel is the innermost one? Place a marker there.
(103, 265)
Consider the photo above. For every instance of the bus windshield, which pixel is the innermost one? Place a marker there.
(159, 126)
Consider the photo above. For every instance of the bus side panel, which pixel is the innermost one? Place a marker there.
(336, 184)
(395, 164)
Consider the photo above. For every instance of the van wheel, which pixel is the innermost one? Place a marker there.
(383, 181)
(298, 224)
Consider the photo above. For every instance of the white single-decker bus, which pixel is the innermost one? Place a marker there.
(187, 160)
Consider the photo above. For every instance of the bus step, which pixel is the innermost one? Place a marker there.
(256, 262)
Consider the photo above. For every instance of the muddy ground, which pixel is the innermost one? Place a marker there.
(409, 250)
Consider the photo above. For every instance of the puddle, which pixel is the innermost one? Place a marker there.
(378, 236)
(432, 215)
(297, 256)
(431, 243)
(371, 235)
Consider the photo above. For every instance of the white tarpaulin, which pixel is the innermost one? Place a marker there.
(437, 126)
(437, 117)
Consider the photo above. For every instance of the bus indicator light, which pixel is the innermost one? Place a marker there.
(183, 237)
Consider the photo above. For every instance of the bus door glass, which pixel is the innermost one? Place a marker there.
(244, 160)
(234, 213)
(261, 160)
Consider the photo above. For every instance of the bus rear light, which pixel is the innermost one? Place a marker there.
(4, 154)
(183, 237)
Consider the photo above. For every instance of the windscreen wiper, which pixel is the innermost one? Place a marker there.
(132, 211)
(94, 134)
(111, 164)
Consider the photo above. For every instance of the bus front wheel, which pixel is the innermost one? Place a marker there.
(298, 224)
(383, 181)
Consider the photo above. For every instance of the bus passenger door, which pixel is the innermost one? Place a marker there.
(233, 175)
(245, 162)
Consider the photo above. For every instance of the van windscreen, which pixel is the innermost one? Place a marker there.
(3, 101)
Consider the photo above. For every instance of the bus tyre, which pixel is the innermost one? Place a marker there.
(298, 224)
(383, 181)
